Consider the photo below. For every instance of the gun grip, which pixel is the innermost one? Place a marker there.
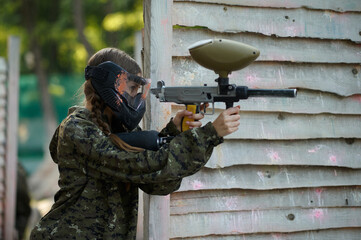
(192, 108)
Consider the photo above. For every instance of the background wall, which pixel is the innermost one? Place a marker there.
(293, 169)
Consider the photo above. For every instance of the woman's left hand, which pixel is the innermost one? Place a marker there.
(177, 120)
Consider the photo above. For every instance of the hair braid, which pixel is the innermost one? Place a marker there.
(97, 112)
(97, 115)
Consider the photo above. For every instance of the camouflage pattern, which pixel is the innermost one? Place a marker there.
(98, 196)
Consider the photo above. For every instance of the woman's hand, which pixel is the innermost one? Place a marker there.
(227, 122)
(177, 120)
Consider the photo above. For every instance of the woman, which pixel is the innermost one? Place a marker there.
(99, 173)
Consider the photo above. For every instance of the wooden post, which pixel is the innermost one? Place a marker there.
(157, 66)
(138, 46)
(11, 136)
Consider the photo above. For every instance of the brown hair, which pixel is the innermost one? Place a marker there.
(97, 104)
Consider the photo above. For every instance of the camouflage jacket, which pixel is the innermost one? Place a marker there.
(98, 196)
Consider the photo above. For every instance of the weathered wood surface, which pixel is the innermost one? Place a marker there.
(269, 21)
(285, 126)
(157, 65)
(281, 220)
(12, 116)
(308, 102)
(341, 79)
(274, 48)
(335, 5)
(292, 171)
(329, 234)
(318, 152)
(242, 200)
(270, 177)
(277, 126)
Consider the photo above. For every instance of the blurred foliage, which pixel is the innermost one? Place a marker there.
(64, 90)
(107, 23)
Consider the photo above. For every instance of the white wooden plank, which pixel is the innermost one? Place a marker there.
(334, 78)
(274, 48)
(318, 152)
(282, 126)
(308, 102)
(258, 221)
(270, 177)
(269, 21)
(335, 5)
(242, 200)
(157, 65)
(287, 126)
(329, 234)
(11, 136)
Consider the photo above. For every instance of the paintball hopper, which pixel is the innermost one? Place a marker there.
(222, 55)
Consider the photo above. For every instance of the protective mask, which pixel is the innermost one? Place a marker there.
(123, 92)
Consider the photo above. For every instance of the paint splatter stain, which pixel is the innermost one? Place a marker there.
(356, 98)
(315, 149)
(318, 214)
(196, 184)
(333, 159)
(274, 156)
(252, 78)
(319, 191)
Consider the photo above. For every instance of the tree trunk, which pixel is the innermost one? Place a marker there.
(39, 187)
(79, 24)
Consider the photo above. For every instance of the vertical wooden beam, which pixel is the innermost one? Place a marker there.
(138, 46)
(157, 66)
(11, 135)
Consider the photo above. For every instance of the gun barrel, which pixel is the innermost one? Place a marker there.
(272, 92)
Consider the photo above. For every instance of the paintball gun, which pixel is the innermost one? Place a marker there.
(222, 56)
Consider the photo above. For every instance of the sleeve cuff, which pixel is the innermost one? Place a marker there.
(170, 129)
(212, 136)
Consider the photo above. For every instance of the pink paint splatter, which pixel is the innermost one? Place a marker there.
(356, 98)
(277, 236)
(274, 156)
(318, 214)
(252, 78)
(197, 185)
(294, 30)
(164, 22)
(315, 149)
(319, 191)
(333, 159)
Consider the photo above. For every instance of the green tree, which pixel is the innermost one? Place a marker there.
(58, 37)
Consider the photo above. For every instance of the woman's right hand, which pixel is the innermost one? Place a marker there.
(227, 122)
